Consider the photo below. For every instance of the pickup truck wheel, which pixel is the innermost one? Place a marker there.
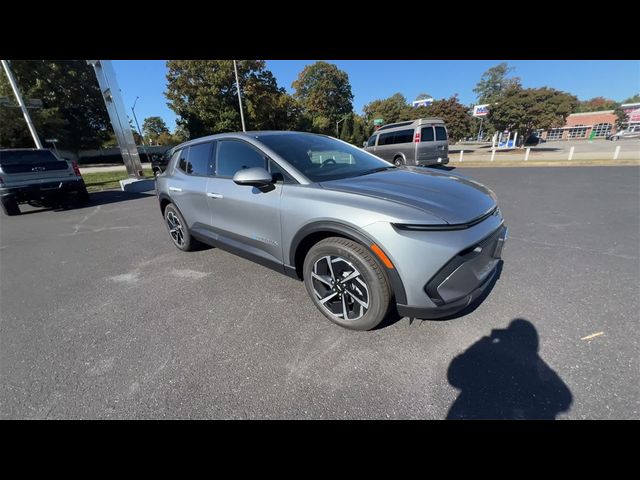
(10, 206)
(398, 161)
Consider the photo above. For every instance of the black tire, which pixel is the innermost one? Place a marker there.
(10, 206)
(614, 138)
(181, 238)
(377, 289)
(398, 161)
(82, 197)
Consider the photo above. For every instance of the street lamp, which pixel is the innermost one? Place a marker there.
(338, 123)
(235, 68)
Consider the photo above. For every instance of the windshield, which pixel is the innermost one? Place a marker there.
(26, 157)
(322, 158)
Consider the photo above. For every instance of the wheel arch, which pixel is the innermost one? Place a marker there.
(314, 232)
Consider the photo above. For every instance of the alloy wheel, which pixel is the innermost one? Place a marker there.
(340, 287)
(175, 228)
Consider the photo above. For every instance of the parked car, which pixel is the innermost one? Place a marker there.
(533, 140)
(159, 162)
(417, 142)
(34, 175)
(363, 235)
(631, 132)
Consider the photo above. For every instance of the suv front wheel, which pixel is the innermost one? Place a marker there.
(347, 284)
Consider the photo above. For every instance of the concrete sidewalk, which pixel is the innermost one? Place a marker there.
(108, 168)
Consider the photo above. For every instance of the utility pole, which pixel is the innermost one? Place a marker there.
(23, 107)
(338, 123)
(235, 67)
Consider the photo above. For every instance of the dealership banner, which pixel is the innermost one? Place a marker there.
(481, 110)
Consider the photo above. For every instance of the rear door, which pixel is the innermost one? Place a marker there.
(188, 183)
(385, 147)
(426, 150)
(441, 141)
(28, 167)
(404, 145)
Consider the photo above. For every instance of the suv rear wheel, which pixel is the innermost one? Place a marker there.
(346, 283)
(10, 206)
(398, 161)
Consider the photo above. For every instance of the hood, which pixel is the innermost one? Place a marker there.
(452, 198)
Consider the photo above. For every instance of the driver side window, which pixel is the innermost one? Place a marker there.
(234, 155)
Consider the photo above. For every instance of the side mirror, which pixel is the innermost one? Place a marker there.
(364, 144)
(256, 176)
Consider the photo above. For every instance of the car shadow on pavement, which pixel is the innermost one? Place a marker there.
(95, 198)
(501, 376)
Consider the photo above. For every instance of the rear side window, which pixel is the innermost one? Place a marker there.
(385, 139)
(403, 136)
(27, 157)
(441, 133)
(426, 134)
(235, 155)
(200, 159)
(372, 141)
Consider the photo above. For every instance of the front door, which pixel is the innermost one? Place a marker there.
(243, 217)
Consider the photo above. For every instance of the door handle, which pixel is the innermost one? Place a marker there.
(175, 189)
(214, 195)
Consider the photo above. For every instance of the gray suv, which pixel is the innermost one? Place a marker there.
(417, 142)
(365, 236)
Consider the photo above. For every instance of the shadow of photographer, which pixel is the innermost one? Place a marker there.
(503, 377)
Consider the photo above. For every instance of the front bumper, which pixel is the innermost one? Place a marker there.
(40, 191)
(461, 280)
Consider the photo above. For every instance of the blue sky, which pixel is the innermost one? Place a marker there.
(372, 79)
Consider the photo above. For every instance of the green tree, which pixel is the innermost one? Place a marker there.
(360, 133)
(73, 108)
(494, 82)
(526, 110)
(203, 94)
(455, 115)
(596, 104)
(392, 109)
(634, 99)
(324, 92)
(153, 127)
(621, 117)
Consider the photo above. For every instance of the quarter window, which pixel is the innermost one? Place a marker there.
(182, 159)
(235, 155)
(426, 135)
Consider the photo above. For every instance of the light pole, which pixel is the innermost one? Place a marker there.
(338, 123)
(144, 147)
(235, 68)
(23, 107)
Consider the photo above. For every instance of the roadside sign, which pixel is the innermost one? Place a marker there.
(481, 110)
(34, 103)
(425, 102)
(52, 140)
(378, 121)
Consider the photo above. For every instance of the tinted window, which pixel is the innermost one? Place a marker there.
(200, 159)
(426, 135)
(403, 136)
(310, 154)
(234, 156)
(441, 133)
(372, 141)
(182, 159)
(385, 139)
(28, 157)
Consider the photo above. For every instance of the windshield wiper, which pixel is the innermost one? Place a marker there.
(375, 170)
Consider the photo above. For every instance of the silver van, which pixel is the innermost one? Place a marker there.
(416, 142)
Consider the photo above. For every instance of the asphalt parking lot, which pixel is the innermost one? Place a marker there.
(102, 317)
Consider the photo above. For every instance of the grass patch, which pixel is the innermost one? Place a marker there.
(108, 180)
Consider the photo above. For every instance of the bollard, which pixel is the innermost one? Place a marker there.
(461, 152)
(571, 152)
(493, 154)
(526, 155)
(616, 153)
